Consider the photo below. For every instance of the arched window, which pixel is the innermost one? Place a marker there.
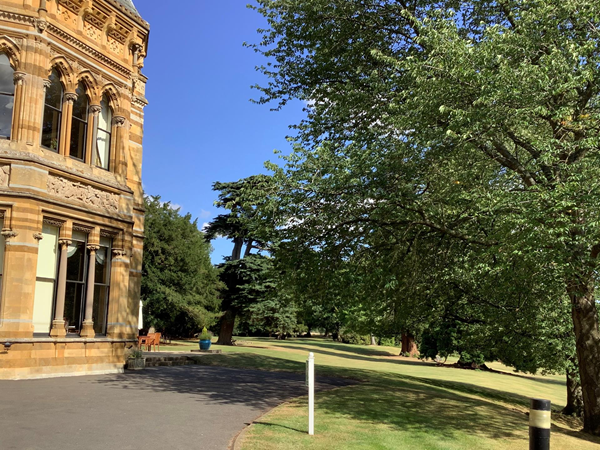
(52, 113)
(79, 124)
(103, 135)
(7, 95)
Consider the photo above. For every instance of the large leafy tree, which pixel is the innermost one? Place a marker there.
(238, 225)
(180, 287)
(474, 120)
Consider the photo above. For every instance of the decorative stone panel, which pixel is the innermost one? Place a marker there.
(91, 196)
(4, 175)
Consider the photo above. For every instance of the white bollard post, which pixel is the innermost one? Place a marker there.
(310, 375)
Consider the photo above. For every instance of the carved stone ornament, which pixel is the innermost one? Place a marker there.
(83, 228)
(8, 233)
(38, 236)
(41, 25)
(119, 121)
(64, 242)
(54, 222)
(108, 233)
(71, 97)
(4, 175)
(86, 194)
(47, 83)
(95, 109)
(19, 78)
(93, 248)
(119, 252)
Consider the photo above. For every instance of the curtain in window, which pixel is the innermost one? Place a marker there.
(45, 284)
(103, 135)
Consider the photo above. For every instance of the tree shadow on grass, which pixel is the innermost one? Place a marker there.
(359, 350)
(411, 402)
(412, 407)
(407, 362)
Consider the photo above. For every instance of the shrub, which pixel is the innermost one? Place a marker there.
(205, 335)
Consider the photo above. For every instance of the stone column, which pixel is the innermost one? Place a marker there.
(91, 155)
(19, 78)
(87, 329)
(58, 324)
(120, 158)
(65, 132)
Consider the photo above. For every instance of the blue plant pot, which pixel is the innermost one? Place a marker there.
(205, 344)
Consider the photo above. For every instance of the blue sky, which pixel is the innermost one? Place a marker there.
(200, 126)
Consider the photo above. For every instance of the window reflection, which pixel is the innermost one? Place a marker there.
(103, 135)
(79, 124)
(52, 113)
(76, 276)
(102, 286)
(7, 95)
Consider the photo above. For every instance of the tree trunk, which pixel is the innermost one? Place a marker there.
(238, 243)
(409, 345)
(227, 324)
(587, 335)
(574, 396)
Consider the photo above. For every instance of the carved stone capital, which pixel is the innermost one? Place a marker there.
(119, 121)
(8, 234)
(95, 109)
(93, 248)
(118, 252)
(71, 97)
(47, 83)
(64, 242)
(38, 236)
(19, 78)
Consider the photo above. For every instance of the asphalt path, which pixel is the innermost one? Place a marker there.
(186, 407)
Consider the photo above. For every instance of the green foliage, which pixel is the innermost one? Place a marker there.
(205, 335)
(179, 284)
(348, 337)
(135, 354)
(447, 172)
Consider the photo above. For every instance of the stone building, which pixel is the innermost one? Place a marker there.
(71, 206)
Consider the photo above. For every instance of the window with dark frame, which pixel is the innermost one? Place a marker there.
(77, 262)
(53, 104)
(79, 124)
(7, 95)
(103, 135)
(102, 285)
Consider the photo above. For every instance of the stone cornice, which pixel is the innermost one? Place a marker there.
(140, 102)
(99, 56)
(18, 18)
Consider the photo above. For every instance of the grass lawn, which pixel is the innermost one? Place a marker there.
(402, 402)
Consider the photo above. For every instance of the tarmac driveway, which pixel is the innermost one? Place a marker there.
(186, 407)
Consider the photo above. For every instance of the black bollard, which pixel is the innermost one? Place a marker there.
(539, 424)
